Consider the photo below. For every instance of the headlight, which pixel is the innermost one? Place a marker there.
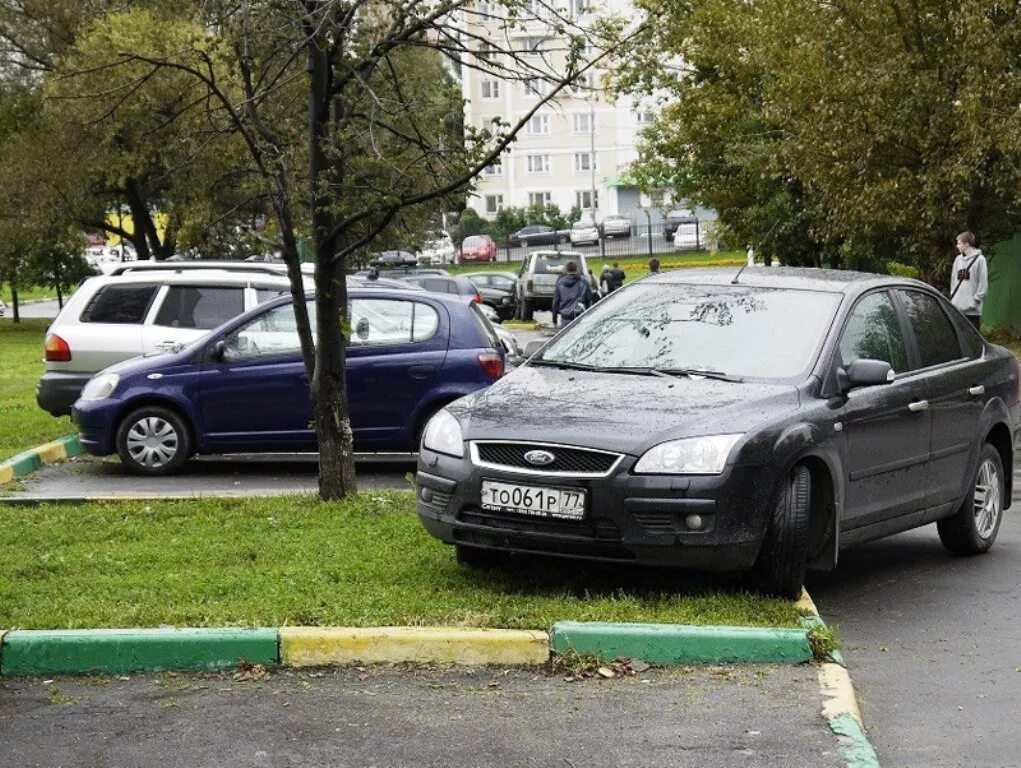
(693, 456)
(100, 387)
(443, 435)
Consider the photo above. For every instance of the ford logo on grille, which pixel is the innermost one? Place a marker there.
(540, 458)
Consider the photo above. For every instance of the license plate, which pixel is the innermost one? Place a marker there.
(534, 501)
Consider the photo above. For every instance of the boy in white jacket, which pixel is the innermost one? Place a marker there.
(969, 279)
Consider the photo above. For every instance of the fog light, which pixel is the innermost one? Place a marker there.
(694, 522)
(427, 495)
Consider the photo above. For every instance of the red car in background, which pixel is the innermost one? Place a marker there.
(478, 248)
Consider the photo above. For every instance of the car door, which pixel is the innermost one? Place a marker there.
(188, 312)
(886, 426)
(956, 397)
(109, 328)
(256, 397)
(394, 359)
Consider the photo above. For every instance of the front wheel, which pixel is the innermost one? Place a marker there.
(972, 529)
(780, 569)
(527, 311)
(153, 441)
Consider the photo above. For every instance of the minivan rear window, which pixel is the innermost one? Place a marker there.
(120, 304)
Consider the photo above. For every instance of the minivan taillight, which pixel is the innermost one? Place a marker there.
(57, 350)
(492, 364)
(478, 298)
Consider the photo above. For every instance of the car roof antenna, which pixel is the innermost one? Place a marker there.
(748, 263)
(738, 275)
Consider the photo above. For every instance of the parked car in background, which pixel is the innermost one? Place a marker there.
(688, 235)
(113, 318)
(450, 284)
(438, 249)
(615, 226)
(538, 234)
(584, 233)
(3, 308)
(537, 277)
(243, 388)
(770, 421)
(477, 248)
(674, 219)
(395, 259)
(499, 290)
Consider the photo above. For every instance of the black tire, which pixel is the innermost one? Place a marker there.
(153, 440)
(971, 531)
(561, 240)
(527, 311)
(780, 569)
(473, 557)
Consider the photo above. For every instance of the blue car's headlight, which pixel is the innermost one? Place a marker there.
(443, 435)
(691, 456)
(100, 387)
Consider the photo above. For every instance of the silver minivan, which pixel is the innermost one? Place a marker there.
(113, 318)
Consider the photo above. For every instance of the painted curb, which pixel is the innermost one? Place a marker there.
(683, 644)
(319, 646)
(29, 461)
(114, 651)
(840, 706)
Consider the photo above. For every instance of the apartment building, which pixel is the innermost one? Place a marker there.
(575, 150)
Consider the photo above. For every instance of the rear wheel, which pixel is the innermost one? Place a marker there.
(973, 528)
(561, 240)
(780, 569)
(153, 441)
(526, 310)
(473, 557)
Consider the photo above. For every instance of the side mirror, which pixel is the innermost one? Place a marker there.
(217, 351)
(864, 373)
(533, 346)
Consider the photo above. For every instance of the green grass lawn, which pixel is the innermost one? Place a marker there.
(365, 561)
(23, 424)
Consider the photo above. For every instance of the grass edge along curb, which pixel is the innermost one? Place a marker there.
(29, 461)
(682, 643)
(840, 707)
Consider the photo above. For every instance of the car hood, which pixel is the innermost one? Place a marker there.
(162, 362)
(616, 412)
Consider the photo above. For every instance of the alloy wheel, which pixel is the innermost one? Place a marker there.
(987, 502)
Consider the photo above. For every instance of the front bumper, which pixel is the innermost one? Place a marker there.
(57, 391)
(629, 518)
(96, 421)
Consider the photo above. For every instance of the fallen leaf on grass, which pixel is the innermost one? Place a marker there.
(249, 671)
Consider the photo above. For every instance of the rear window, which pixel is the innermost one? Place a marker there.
(436, 284)
(489, 336)
(554, 262)
(200, 307)
(475, 241)
(121, 304)
(384, 322)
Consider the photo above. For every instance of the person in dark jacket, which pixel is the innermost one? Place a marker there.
(616, 277)
(572, 294)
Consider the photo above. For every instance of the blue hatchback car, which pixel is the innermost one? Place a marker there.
(243, 388)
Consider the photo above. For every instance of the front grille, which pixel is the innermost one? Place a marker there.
(597, 528)
(572, 460)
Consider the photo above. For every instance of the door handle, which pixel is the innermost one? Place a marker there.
(976, 391)
(918, 406)
(421, 371)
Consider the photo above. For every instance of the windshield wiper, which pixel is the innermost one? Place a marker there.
(562, 364)
(698, 372)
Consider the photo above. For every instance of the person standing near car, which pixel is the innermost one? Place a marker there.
(572, 294)
(653, 266)
(969, 279)
(615, 279)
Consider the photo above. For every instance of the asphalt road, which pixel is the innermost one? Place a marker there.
(762, 717)
(46, 309)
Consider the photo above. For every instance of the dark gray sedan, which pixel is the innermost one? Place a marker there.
(760, 423)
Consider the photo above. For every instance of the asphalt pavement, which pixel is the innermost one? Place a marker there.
(721, 717)
(45, 309)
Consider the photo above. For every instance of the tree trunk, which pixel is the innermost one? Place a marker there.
(139, 215)
(329, 385)
(14, 303)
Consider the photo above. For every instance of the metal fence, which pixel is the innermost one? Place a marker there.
(641, 241)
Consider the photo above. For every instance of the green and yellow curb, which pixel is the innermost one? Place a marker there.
(315, 646)
(840, 706)
(31, 460)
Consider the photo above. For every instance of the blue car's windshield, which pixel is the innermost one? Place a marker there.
(741, 331)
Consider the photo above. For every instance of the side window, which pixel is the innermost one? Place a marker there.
(937, 339)
(262, 295)
(971, 340)
(271, 334)
(187, 306)
(123, 304)
(873, 333)
(379, 322)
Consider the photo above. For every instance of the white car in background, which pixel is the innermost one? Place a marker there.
(439, 249)
(686, 236)
(584, 233)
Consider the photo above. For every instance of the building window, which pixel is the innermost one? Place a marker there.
(490, 89)
(583, 199)
(530, 46)
(538, 125)
(538, 164)
(487, 53)
(577, 7)
(535, 86)
(494, 203)
(584, 161)
(494, 169)
(644, 117)
(584, 122)
(484, 8)
(581, 86)
(540, 198)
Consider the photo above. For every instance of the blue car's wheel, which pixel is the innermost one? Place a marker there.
(153, 441)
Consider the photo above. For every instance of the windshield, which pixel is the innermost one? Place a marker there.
(737, 330)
